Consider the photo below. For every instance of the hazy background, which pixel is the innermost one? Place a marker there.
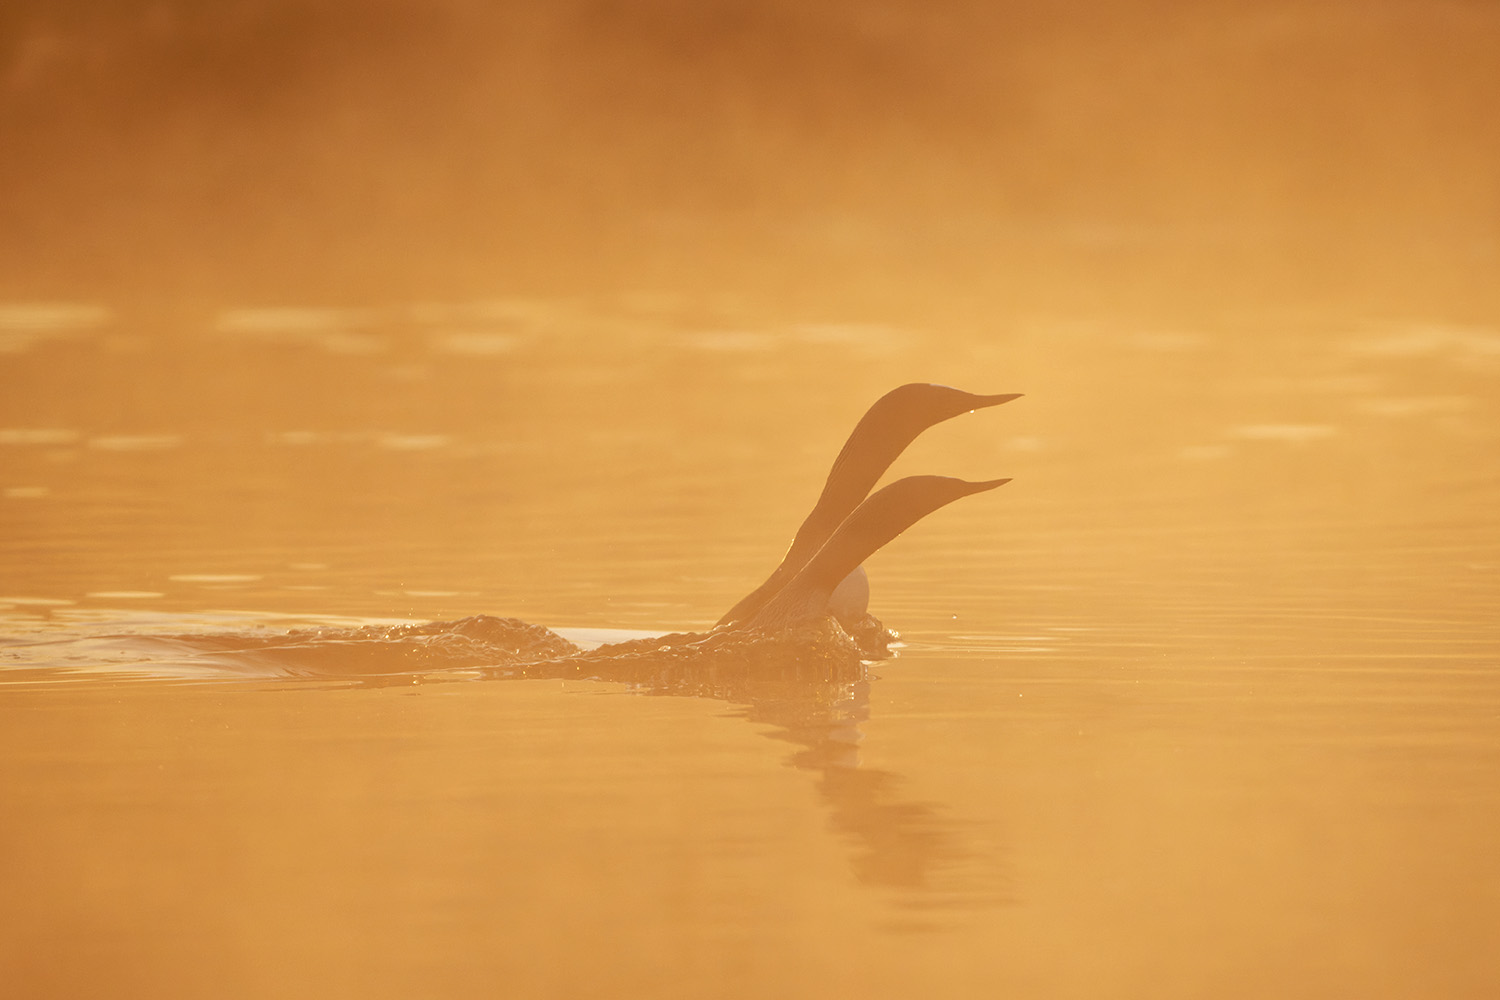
(1203, 157)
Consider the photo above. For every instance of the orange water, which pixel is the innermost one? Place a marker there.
(1206, 701)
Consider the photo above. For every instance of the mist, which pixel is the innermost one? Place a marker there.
(1150, 154)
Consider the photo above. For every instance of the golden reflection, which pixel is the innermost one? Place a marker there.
(817, 704)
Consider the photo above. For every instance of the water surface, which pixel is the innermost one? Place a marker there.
(1207, 700)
